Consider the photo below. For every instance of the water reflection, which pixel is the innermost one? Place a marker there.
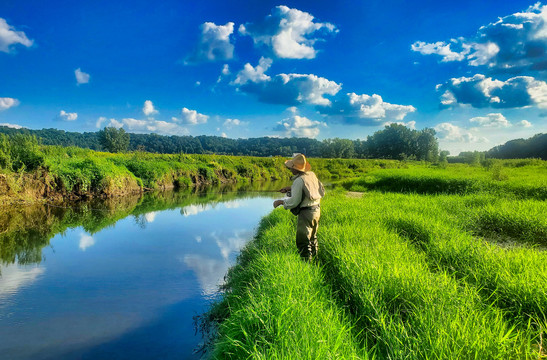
(15, 277)
(124, 276)
(86, 241)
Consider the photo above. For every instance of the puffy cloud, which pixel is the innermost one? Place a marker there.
(148, 108)
(514, 43)
(287, 89)
(86, 241)
(225, 70)
(453, 133)
(289, 33)
(81, 77)
(6, 103)
(491, 120)
(480, 91)
(231, 123)
(299, 126)
(524, 123)
(214, 44)
(10, 37)
(144, 126)
(66, 116)
(365, 109)
(192, 117)
(13, 126)
(440, 48)
(254, 74)
(410, 124)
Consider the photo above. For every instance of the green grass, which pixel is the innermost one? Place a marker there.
(453, 272)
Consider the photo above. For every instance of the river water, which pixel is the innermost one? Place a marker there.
(118, 279)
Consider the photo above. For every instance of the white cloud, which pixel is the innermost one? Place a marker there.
(81, 77)
(192, 117)
(225, 70)
(410, 124)
(440, 48)
(513, 44)
(365, 109)
(86, 241)
(145, 126)
(6, 103)
(214, 44)
(13, 126)
(453, 133)
(491, 120)
(100, 121)
(148, 108)
(198, 83)
(299, 126)
(480, 91)
(289, 33)
(66, 116)
(223, 135)
(524, 123)
(10, 37)
(254, 74)
(231, 123)
(287, 89)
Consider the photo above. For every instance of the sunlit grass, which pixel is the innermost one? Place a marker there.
(413, 276)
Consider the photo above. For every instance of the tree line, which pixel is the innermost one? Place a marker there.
(393, 142)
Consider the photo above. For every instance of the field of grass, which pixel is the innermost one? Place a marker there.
(414, 263)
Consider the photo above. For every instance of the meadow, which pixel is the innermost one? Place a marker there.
(422, 262)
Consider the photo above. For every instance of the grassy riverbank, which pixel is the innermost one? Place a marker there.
(415, 265)
(30, 171)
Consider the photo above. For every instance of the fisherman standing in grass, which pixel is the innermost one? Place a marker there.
(304, 197)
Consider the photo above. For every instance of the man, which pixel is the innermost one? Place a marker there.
(304, 197)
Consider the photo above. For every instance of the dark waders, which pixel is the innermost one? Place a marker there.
(306, 232)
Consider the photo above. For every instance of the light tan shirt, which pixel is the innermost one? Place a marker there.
(298, 195)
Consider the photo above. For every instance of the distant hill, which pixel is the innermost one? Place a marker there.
(534, 147)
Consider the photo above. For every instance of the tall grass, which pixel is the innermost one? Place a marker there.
(278, 307)
(417, 276)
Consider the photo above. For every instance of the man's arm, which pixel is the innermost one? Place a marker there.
(296, 195)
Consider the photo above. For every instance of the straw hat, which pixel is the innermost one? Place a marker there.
(299, 163)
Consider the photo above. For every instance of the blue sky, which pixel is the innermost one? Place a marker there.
(474, 71)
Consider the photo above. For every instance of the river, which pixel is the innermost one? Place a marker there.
(120, 278)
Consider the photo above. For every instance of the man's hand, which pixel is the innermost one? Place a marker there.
(285, 189)
(277, 203)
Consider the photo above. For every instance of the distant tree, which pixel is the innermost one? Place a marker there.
(337, 148)
(443, 156)
(534, 147)
(427, 145)
(114, 140)
(394, 142)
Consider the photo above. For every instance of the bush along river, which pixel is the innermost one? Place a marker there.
(120, 278)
